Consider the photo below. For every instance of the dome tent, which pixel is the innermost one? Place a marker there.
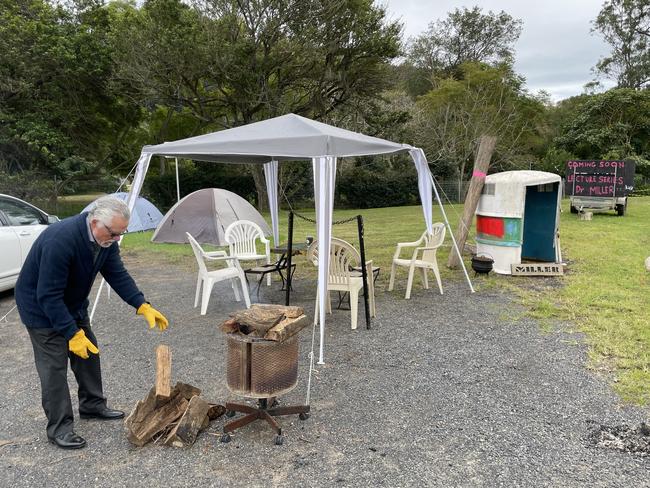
(205, 214)
(144, 216)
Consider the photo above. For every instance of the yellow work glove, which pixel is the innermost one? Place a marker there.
(81, 346)
(153, 316)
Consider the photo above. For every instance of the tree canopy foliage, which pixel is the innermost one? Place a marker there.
(58, 113)
(464, 36)
(610, 125)
(484, 100)
(84, 84)
(625, 25)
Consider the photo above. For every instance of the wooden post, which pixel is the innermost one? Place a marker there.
(481, 165)
(163, 372)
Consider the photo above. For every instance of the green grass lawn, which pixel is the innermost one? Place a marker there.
(605, 292)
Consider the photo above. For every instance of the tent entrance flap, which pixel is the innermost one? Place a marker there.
(539, 222)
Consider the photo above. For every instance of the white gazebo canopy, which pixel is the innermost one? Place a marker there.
(288, 138)
(284, 138)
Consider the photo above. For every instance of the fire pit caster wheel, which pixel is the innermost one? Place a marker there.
(225, 437)
(230, 413)
(279, 439)
(303, 416)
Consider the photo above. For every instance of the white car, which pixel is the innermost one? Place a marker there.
(20, 225)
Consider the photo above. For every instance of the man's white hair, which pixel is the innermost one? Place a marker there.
(107, 208)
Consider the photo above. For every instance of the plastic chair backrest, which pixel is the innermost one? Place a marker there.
(343, 257)
(198, 253)
(435, 239)
(242, 236)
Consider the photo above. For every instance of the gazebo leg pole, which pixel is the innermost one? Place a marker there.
(364, 270)
(289, 253)
(451, 233)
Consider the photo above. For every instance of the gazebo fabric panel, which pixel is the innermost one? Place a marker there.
(271, 177)
(324, 169)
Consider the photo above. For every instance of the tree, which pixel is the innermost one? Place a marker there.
(485, 101)
(466, 35)
(232, 62)
(59, 118)
(625, 25)
(610, 125)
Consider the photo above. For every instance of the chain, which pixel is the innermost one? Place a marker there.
(307, 219)
(338, 222)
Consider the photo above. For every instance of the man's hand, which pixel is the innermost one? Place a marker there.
(81, 346)
(153, 316)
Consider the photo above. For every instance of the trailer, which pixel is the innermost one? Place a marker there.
(599, 185)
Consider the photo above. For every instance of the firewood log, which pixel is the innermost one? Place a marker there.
(257, 319)
(146, 420)
(287, 328)
(163, 373)
(185, 390)
(229, 326)
(216, 411)
(185, 431)
(287, 311)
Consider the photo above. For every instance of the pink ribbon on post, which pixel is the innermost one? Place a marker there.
(478, 174)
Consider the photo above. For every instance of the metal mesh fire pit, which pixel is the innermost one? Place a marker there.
(263, 370)
(258, 368)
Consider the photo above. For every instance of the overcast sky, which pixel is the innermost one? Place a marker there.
(555, 51)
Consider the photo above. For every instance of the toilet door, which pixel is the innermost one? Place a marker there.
(540, 212)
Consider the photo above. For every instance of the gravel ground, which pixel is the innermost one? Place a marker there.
(453, 390)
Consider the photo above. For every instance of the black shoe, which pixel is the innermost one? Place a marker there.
(69, 440)
(104, 414)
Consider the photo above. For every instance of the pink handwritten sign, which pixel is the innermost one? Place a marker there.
(599, 178)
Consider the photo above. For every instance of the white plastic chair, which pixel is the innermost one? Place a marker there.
(242, 236)
(427, 246)
(342, 277)
(208, 278)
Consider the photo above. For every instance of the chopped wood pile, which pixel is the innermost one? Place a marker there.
(171, 416)
(272, 322)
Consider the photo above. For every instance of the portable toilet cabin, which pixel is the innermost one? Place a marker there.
(518, 217)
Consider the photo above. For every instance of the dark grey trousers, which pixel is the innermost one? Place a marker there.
(51, 356)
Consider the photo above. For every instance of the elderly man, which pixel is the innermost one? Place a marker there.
(52, 298)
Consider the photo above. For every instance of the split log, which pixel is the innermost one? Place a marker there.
(163, 373)
(185, 431)
(229, 326)
(148, 419)
(216, 411)
(185, 390)
(257, 320)
(285, 329)
(260, 319)
(287, 311)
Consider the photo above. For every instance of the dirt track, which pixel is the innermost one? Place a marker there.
(452, 390)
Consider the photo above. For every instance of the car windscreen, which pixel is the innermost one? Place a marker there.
(20, 213)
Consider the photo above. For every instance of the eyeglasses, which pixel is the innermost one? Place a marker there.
(110, 231)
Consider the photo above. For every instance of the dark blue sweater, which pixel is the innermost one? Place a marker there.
(58, 274)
